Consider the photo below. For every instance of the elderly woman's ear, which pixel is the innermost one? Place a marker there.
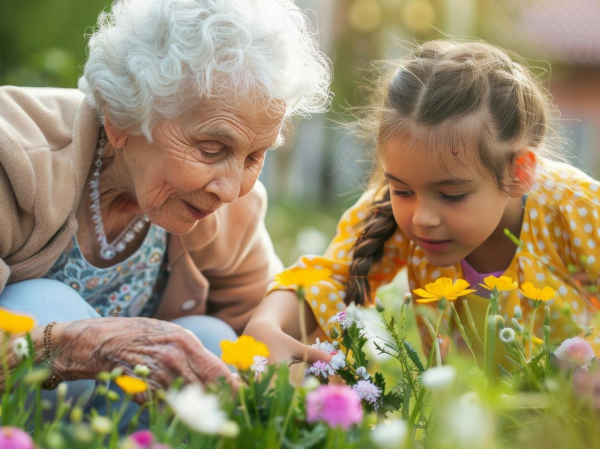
(117, 137)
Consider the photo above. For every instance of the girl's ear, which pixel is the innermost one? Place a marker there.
(117, 137)
(522, 174)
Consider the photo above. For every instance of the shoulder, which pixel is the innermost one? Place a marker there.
(38, 117)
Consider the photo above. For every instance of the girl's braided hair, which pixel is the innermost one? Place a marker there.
(449, 94)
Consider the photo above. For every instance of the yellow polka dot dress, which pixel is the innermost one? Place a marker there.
(560, 234)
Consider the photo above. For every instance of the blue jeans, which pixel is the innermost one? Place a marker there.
(48, 300)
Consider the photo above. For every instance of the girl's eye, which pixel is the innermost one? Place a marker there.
(403, 193)
(454, 198)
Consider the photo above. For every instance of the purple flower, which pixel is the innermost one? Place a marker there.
(320, 368)
(574, 352)
(337, 405)
(13, 438)
(367, 391)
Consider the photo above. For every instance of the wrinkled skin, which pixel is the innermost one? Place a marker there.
(84, 348)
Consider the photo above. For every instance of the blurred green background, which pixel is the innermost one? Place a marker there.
(321, 169)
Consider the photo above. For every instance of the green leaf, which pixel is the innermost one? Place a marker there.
(413, 355)
(391, 402)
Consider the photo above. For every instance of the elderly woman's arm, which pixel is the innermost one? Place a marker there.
(81, 349)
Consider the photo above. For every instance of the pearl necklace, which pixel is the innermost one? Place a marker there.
(109, 250)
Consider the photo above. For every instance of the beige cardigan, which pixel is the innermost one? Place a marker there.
(47, 143)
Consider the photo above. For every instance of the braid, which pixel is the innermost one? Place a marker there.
(368, 249)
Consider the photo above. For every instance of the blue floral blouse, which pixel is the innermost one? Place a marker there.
(128, 289)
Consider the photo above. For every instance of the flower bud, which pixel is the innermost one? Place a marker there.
(407, 298)
(499, 322)
(103, 376)
(379, 305)
(516, 325)
(116, 373)
(101, 425)
(113, 396)
(83, 434)
(76, 415)
(518, 312)
(54, 441)
(141, 371)
(230, 429)
(333, 332)
(37, 377)
(335, 344)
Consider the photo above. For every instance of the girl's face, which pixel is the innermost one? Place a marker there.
(444, 203)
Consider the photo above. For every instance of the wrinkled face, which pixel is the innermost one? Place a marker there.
(211, 156)
(445, 204)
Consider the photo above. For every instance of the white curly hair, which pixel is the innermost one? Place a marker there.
(155, 59)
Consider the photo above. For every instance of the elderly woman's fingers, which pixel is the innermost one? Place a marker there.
(208, 367)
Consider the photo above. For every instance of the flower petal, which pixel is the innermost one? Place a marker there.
(425, 294)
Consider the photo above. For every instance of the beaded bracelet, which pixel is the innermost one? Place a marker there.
(53, 381)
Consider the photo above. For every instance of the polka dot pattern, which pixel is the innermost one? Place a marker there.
(561, 227)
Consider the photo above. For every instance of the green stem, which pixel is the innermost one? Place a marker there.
(244, 406)
(434, 333)
(531, 331)
(288, 415)
(471, 321)
(7, 381)
(463, 332)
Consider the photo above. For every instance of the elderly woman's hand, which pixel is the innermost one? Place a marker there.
(87, 347)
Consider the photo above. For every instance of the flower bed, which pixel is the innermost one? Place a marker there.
(542, 395)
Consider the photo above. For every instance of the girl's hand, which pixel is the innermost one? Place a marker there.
(282, 347)
(85, 348)
(276, 323)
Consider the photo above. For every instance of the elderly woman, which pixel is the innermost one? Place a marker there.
(130, 210)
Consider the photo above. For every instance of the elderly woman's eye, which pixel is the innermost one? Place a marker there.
(256, 158)
(211, 149)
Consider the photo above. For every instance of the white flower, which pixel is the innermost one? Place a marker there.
(310, 383)
(260, 365)
(198, 410)
(320, 368)
(439, 378)
(468, 423)
(362, 373)
(390, 435)
(507, 335)
(21, 347)
(338, 361)
(343, 319)
(323, 346)
(367, 391)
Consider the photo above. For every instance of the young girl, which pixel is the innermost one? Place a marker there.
(463, 153)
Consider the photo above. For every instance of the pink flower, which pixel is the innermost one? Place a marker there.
(144, 439)
(574, 352)
(337, 405)
(367, 391)
(586, 385)
(13, 438)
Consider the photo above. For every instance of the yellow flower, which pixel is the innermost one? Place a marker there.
(536, 294)
(241, 353)
(15, 324)
(443, 288)
(131, 385)
(502, 284)
(302, 276)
